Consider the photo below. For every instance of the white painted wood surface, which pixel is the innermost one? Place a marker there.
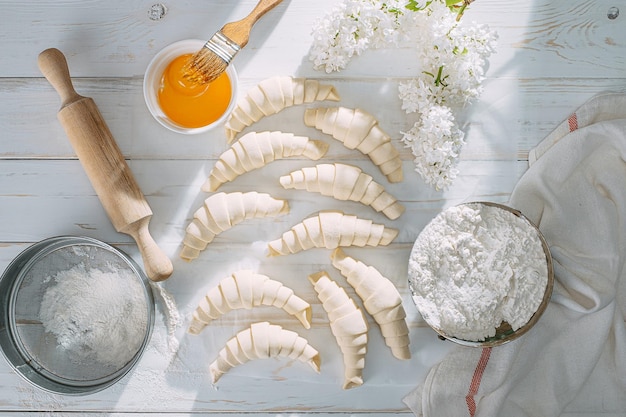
(552, 56)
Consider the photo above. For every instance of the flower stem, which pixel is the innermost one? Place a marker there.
(462, 9)
(439, 80)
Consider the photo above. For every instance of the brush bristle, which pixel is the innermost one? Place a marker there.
(204, 67)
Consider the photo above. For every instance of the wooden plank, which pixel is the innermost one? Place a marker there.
(56, 197)
(555, 39)
(499, 126)
(537, 39)
(107, 38)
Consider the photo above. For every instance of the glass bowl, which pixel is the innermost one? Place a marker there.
(76, 314)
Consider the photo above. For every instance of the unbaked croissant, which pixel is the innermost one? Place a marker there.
(344, 182)
(255, 150)
(331, 229)
(221, 211)
(358, 129)
(348, 325)
(263, 340)
(381, 300)
(246, 289)
(273, 95)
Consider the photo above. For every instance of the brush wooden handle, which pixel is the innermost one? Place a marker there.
(239, 31)
(104, 164)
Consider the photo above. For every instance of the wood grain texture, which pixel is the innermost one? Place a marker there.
(551, 57)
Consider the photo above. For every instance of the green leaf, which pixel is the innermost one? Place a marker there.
(459, 51)
(413, 5)
(452, 2)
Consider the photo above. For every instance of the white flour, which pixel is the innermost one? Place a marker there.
(474, 266)
(172, 317)
(95, 314)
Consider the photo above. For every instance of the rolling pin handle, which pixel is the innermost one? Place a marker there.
(156, 263)
(53, 66)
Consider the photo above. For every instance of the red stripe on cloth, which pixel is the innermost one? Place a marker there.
(476, 379)
(573, 122)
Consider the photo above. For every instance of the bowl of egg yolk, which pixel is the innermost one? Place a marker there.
(182, 105)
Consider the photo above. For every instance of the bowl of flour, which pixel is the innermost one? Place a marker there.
(76, 314)
(480, 274)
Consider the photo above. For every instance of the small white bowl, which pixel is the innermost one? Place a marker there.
(152, 83)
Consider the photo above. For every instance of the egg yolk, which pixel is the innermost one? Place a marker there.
(190, 104)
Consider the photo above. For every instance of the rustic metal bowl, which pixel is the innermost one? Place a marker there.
(504, 333)
(35, 353)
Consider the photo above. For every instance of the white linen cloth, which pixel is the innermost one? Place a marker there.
(573, 362)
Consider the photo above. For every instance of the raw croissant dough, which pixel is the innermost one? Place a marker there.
(263, 340)
(344, 182)
(348, 325)
(255, 150)
(273, 95)
(246, 289)
(380, 298)
(221, 211)
(357, 129)
(331, 229)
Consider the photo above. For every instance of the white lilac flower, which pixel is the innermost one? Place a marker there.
(436, 143)
(350, 28)
(452, 57)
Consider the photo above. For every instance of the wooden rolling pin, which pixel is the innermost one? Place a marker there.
(104, 164)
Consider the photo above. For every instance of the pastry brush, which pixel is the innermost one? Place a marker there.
(208, 63)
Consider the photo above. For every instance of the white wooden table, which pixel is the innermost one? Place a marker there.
(552, 56)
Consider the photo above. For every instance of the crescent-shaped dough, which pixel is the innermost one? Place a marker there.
(257, 149)
(348, 325)
(358, 129)
(331, 229)
(380, 298)
(221, 211)
(247, 289)
(263, 340)
(271, 96)
(344, 182)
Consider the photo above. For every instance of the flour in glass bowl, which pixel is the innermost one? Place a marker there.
(97, 315)
(475, 266)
